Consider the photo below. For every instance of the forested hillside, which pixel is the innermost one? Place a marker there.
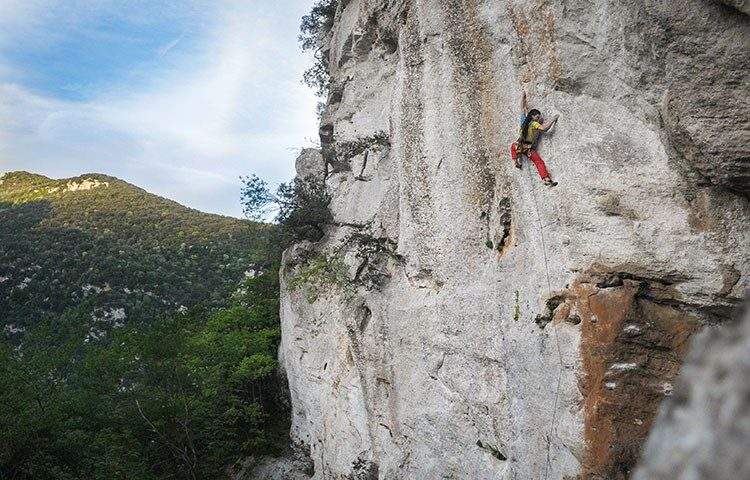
(139, 337)
(101, 244)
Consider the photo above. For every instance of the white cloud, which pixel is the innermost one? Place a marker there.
(15, 13)
(232, 105)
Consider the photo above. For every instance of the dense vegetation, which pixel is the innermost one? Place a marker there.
(183, 396)
(135, 347)
(139, 337)
(112, 246)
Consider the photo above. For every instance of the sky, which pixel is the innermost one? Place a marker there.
(180, 98)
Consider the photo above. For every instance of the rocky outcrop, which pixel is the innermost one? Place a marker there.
(703, 431)
(461, 320)
(294, 464)
(309, 163)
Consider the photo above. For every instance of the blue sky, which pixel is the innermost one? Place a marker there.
(177, 97)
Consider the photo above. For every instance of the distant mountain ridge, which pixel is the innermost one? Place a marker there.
(97, 243)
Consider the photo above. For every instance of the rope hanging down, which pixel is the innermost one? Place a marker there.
(553, 420)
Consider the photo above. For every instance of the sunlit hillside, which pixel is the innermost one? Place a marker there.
(97, 243)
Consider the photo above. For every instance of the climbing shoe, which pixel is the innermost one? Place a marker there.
(550, 183)
(518, 163)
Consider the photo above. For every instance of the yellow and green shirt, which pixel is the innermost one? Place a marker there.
(531, 132)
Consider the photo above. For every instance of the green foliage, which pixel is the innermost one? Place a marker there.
(302, 206)
(88, 394)
(257, 199)
(321, 274)
(325, 272)
(317, 23)
(375, 256)
(317, 76)
(367, 246)
(183, 397)
(313, 29)
(347, 150)
(113, 246)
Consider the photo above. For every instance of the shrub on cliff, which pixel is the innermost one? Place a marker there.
(317, 23)
(322, 274)
(345, 151)
(313, 29)
(301, 206)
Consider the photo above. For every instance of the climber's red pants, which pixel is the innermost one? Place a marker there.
(534, 157)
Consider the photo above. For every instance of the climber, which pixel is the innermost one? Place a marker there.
(531, 123)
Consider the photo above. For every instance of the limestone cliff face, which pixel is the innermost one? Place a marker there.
(460, 320)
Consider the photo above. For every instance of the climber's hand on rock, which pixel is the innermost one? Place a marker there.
(549, 123)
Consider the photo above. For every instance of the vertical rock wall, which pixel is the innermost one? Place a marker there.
(460, 320)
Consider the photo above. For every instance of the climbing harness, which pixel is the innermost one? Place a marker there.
(522, 148)
(553, 421)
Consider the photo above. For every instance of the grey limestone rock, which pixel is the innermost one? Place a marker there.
(462, 321)
(310, 163)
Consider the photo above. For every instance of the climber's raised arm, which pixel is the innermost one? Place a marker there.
(524, 104)
(548, 124)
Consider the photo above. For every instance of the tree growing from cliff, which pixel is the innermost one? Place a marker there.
(313, 29)
(317, 23)
(301, 206)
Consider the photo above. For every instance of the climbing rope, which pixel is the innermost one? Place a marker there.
(553, 421)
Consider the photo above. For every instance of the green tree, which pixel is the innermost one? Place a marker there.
(301, 206)
(182, 396)
(313, 29)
